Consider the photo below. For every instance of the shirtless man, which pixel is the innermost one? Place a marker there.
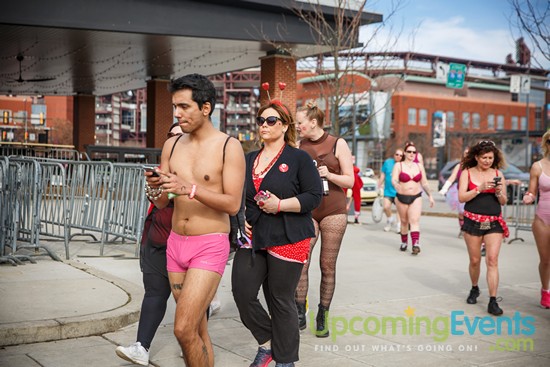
(206, 172)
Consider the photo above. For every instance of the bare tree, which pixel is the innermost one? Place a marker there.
(532, 18)
(339, 32)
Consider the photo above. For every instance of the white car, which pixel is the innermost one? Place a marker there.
(369, 191)
(368, 172)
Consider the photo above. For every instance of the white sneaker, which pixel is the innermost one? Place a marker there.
(398, 227)
(389, 222)
(214, 307)
(134, 353)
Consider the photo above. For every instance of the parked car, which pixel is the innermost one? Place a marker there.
(369, 191)
(511, 173)
(368, 172)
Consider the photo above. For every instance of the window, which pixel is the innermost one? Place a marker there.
(450, 119)
(412, 116)
(515, 125)
(500, 122)
(465, 120)
(423, 117)
(475, 120)
(523, 123)
(491, 122)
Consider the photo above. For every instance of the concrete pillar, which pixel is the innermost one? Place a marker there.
(84, 121)
(159, 112)
(277, 68)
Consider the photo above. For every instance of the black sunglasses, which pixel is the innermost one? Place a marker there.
(271, 120)
(410, 151)
(399, 155)
(485, 143)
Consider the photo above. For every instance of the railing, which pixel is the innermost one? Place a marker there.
(123, 154)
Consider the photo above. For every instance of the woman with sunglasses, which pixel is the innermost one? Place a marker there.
(482, 188)
(408, 178)
(540, 182)
(389, 191)
(335, 165)
(282, 188)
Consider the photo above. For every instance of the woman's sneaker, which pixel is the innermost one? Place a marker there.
(403, 246)
(134, 353)
(472, 297)
(416, 249)
(263, 357)
(493, 308)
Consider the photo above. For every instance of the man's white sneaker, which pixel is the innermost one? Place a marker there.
(387, 227)
(214, 307)
(134, 353)
(398, 227)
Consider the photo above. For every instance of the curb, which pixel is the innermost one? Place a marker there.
(79, 326)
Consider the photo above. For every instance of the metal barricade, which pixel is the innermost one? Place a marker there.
(88, 185)
(517, 215)
(54, 212)
(45, 198)
(23, 200)
(126, 213)
(4, 208)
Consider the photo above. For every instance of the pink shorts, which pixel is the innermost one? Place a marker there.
(208, 252)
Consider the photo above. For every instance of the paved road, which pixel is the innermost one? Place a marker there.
(376, 284)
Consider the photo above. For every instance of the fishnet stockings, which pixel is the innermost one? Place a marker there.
(332, 230)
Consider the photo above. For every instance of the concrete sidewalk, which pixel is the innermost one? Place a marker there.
(89, 305)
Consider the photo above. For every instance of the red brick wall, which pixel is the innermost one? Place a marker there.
(275, 69)
(159, 112)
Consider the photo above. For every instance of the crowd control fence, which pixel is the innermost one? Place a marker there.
(517, 215)
(44, 199)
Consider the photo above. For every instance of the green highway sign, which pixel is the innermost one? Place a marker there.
(456, 76)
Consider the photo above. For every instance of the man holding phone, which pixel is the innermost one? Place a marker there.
(205, 169)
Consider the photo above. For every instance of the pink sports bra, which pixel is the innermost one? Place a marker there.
(404, 177)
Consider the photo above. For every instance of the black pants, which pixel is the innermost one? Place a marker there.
(153, 307)
(281, 278)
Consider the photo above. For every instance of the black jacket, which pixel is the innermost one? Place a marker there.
(300, 180)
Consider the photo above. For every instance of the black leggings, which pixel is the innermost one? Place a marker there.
(280, 279)
(153, 307)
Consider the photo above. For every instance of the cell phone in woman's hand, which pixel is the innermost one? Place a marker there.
(497, 180)
(261, 196)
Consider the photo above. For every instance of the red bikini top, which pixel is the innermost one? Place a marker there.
(473, 186)
(404, 177)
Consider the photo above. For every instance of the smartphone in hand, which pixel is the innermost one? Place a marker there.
(152, 170)
(261, 196)
(497, 180)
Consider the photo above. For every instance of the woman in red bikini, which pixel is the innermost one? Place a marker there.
(408, 178)
(483, 188)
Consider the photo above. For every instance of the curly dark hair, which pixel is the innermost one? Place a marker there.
(203, 91)
(483, 147)
(286, 119)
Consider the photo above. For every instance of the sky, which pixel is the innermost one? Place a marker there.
(477, 30)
